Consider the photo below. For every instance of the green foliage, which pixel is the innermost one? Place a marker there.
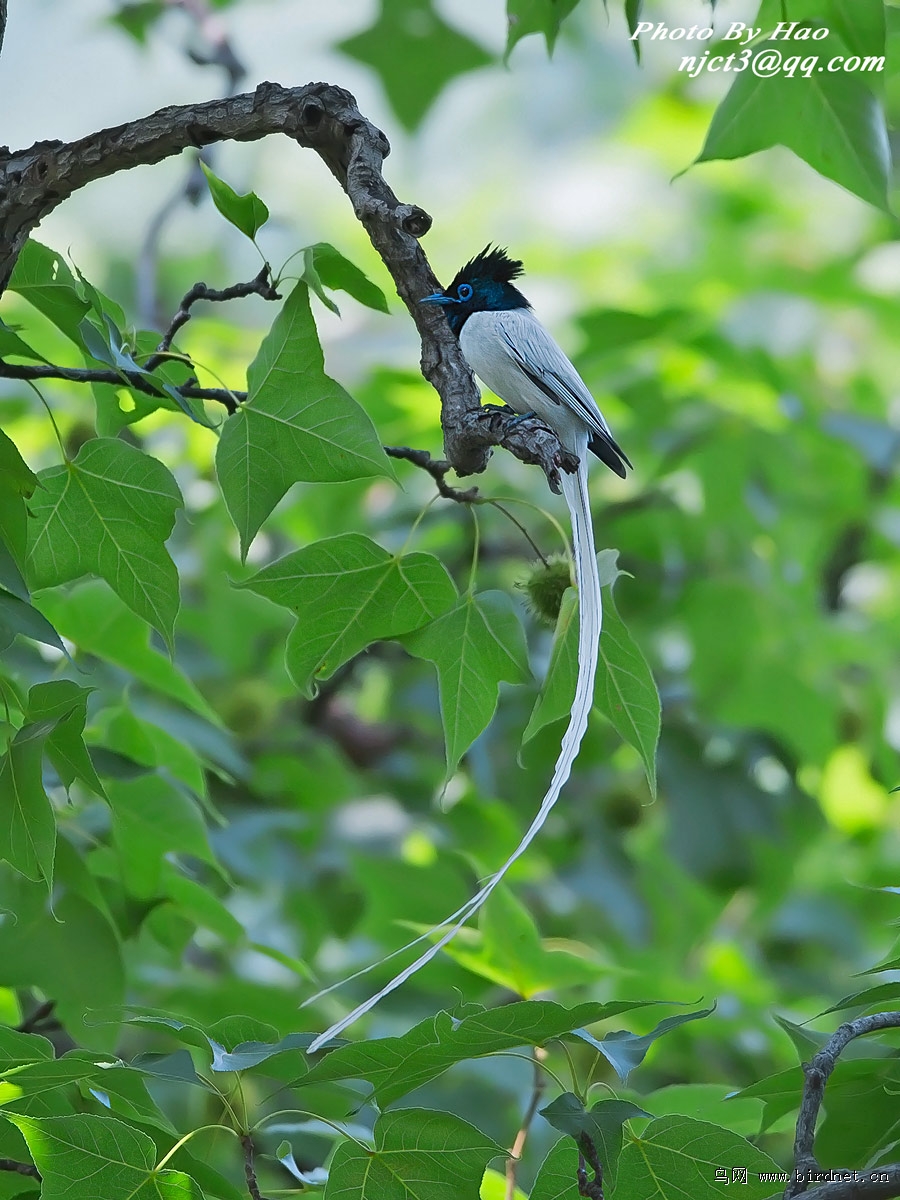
(287, 432)
(238, 766)
(247, 213)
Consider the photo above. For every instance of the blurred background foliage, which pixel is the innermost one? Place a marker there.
(737, 325)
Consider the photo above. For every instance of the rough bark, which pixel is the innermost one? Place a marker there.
(324, 118)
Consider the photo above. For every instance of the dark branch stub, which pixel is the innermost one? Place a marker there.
(320, 117)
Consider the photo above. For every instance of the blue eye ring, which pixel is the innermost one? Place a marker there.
(464, 291)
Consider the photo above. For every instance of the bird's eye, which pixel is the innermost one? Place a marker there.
(464, 291)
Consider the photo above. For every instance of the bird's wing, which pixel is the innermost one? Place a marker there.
(536, 353)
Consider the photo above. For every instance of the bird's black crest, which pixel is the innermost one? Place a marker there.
(492, 263)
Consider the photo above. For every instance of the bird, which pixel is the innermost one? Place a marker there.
(520, 362)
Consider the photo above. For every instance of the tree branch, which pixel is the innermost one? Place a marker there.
(534, 1100)
(103, 375)
(249, 1170)
(324, 118)
(10, 1164)
(2, 21)
(816, 1074)
(437, 468)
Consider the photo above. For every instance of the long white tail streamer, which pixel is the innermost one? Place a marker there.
(590, 614)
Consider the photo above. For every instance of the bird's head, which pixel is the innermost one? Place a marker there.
(484, 284)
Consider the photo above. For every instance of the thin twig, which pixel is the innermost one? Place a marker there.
(537, 1089)
(437, 468)
(260, 286)
(30, 371)
(816, 1074)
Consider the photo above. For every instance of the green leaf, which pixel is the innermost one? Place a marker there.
(474, 646)
(151, 820)
(676, 1157)
(97, 621)
(395, 1066)
(624, 690)
(415, 55)
(109, 512)
(18, 616)
(84, 1157)
(247, 213)
(625, 1051)
(138, 17)
(41, 277)
(66, 703)
(418, 1152)
(71, 953)
(296, 424)
(535, 16)
(348, 592)
(29, 826)
(326, 266)
(556, 1178)
(881, 994)
(18, 1048)
(558, 690)
(632, 16)
(12, 346)
(17, 484)
(603, 1125)
(860, 24)
(831, 120)
(509, 951)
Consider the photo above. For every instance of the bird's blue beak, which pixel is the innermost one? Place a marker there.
(436, 298)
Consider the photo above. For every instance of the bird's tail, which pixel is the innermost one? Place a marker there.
(589, 620)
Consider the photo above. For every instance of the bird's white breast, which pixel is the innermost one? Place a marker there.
(484, 341)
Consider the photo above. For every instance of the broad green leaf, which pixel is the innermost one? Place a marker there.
(326, 266)
(676, 1157)
(151, 820)
(831, 120)
(84, 1157)
(625, 1051)
(12, 346)
(556, 1178)
(17, 484)
(535, 16)
(18, 1048)
(109, 512)
(418, 1152)
(247, 213)
(18, 616)
(624, 690)
(28, 841)
(882, 994)
(509, 951)
(395, 1066)
(411, 33)
(474, 646)
(860, 24)
(603, 1125)
(71, 953)
(347, 592)
(66, 703)
(558, 690)
(97, 621)
(296, 424)
(42, 277)
(16, 477)
(707, 1102)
